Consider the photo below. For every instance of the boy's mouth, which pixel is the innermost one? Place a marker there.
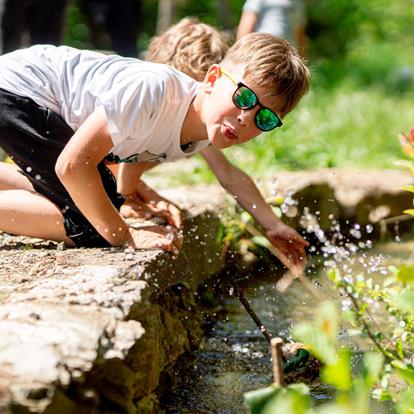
(228, 132)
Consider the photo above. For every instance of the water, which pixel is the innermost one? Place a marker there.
(235, 357)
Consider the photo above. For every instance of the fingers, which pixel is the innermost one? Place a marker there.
(155, 237)
(292, 246)
(296, 255)
(135, 209)
(169, 211)
(166, 210)
(174, 218)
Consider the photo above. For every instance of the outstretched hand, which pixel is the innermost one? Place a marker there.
(290, 243)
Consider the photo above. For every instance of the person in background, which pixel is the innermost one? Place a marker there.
(120, 19)
(29, 22)
(284, 18)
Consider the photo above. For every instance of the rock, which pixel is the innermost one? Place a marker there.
(91, 330)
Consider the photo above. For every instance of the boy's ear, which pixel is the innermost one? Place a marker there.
(212, 75)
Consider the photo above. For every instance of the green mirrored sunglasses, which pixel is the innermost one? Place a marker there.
(244, 98)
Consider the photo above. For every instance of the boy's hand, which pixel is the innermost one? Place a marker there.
(155, 237)
(135, 207)
(166, 209)
(289, 242)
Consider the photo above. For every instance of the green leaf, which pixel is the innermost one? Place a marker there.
(404, 301)
(409, 211)
(257, 399)
(373, 364)
(321, 334)
(406, 403)
(349, 316)
(409, 188)
(261, 241)
(333, 408)
(405, 273)
(404, 371)
(245, 217)
(277, 211)
(339, 374)
(399, 346)
(381, 395)
(288, 400)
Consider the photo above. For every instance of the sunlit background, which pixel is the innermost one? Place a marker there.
(361, 54)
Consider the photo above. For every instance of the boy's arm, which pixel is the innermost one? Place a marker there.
(127, 177)
(76, 167)
(243, 189)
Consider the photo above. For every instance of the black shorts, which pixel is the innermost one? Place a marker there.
(34, 136)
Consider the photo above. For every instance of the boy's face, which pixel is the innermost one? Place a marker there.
(227, 124)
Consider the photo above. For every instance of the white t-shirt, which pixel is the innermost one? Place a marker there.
(278, 17)
(145, 103)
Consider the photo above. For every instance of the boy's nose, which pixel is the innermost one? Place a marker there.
(246, 116)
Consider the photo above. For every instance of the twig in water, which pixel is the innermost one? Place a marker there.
(277, 364)
(240, 295)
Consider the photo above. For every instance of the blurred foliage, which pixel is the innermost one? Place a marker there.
(361, 55)
(407, 143)
(385, 375)
(369, 39)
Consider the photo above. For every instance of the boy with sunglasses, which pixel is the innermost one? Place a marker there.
(66, 113)
(192, 47)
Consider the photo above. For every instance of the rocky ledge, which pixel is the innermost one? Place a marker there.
(97, 330)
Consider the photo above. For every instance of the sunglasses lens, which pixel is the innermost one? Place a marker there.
(267, 120)
(244, 98)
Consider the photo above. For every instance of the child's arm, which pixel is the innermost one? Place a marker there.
(76, 167)
(247, 22)
(243, 189)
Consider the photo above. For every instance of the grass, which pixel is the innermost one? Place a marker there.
(338, 128)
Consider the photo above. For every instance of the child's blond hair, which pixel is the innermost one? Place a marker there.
(272, 62)
(189, 46)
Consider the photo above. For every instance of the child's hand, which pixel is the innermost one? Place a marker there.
(290, 243)
(166, 209)
(155, 237)
(136, 207)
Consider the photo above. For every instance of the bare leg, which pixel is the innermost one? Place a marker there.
(24, 212)
(27, 213)
(10, 178)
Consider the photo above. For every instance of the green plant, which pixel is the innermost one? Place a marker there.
(407, 143)
(384, 373)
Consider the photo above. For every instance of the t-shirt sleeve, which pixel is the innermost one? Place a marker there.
(254, 6)
(131, 106)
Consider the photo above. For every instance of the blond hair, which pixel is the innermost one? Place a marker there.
(271, 61)
(189, 46)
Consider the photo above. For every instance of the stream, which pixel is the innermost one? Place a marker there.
(235, 358)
